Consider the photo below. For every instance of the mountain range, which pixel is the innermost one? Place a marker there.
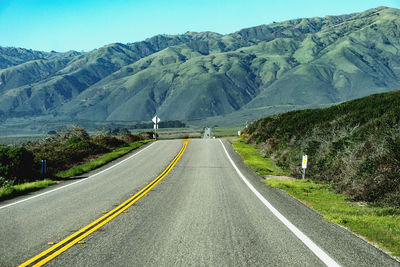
(254, 72)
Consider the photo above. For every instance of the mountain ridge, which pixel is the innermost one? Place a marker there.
(295, 63)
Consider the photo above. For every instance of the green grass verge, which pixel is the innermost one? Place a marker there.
(379, 225)
(251, 156)
(88, 166)
(16, 190)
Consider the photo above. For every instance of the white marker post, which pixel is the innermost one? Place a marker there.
(304, 166)
(155, 120)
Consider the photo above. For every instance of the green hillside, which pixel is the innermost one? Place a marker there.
(23, 93)
(11, 56)
(255, 72)
(355, 146)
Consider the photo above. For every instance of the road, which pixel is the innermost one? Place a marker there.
(202, 213)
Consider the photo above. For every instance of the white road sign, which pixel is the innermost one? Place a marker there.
(304, 165)
(156, 119)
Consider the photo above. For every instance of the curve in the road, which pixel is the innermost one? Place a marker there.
(73, 239)
(79, 181)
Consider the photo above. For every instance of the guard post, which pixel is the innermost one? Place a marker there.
(304, 165)
(44, 167)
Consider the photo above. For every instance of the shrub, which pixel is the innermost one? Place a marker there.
(354, 145)
(77, 149)
(16, 164)
(129, 138)
(69, 147)
(259, 139)
(5, 183)
(146, 135)
(108, 142)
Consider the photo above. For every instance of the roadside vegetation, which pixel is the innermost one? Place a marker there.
(354, 146)
(353, 165)
(91, 165)
(377, 224)
(252, 157)
(67, 153)
(10, 191)
(380, 225)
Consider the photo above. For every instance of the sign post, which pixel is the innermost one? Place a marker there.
(304, 166)
(155, 120)
(44, 167)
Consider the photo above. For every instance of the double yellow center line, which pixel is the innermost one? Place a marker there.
(70, 241)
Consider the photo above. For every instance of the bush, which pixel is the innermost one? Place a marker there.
(108, 142)
(77, 149)
(62, 151)
(129, 138)
(354, 145)
(5, 183)
(69, 147)
(16, 164)
(147, 135)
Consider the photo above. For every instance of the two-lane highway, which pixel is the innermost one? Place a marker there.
(26, 228)
(203, 213)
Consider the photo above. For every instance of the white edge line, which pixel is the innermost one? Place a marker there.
(62, 187)
(305, 239)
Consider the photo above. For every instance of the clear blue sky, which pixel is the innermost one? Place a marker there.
(88, 24)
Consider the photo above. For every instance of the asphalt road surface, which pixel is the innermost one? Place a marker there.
(203, 213)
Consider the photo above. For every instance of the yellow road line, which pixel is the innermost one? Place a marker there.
(42, 259)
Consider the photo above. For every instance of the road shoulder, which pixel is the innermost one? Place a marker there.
(311, 223)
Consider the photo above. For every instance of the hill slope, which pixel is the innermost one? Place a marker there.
(354, 145)
(10, 56)
(250, 73)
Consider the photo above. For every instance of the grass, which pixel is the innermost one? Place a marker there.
(88, 166)
(221, 131)
(16, 190)
(251, 156)
(380, 225)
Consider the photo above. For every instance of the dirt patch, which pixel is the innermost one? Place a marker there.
(278, 177)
